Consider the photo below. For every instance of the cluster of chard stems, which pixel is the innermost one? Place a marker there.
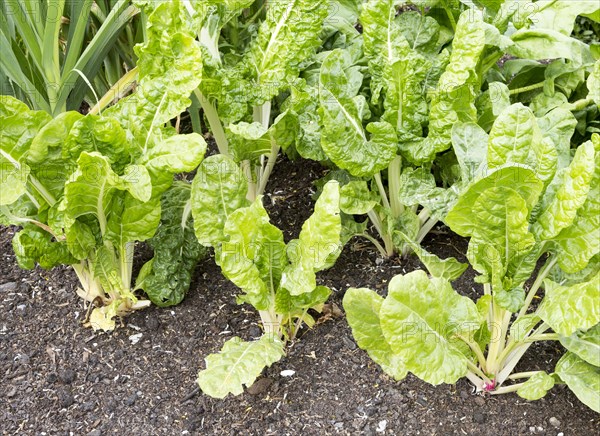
(504, 352)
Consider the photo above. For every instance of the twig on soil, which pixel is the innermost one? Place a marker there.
(191, 395)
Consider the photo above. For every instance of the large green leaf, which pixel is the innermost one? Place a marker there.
(176, 154)
(586, 344)
(318, 245)
(578, 243)
(176, 250)
(570, 308)
(469, 142)
(343, 138)
(362, 308)
(253, 256)
(559, 15)
(571, 193)
(421, 319)
(593, 84)
(91, 188)
(549, 44)
(238, 363)
(511, 136)
(522, 180)
(582, 378)
(219, 189)
(500, 221)
(286, 40)
(356, 199)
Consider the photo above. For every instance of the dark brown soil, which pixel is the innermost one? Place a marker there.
(58, 378)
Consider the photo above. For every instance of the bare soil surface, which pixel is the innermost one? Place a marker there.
(58, 378)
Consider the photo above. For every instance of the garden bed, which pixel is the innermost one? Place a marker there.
(61, 378)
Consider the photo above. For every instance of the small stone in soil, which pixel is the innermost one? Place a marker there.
(254, 331)
(96, 432)
(65, 398)
(8, 287)
(130, 401)
(51, 378)
(478, 418)
(23, 359)
(554, 422)
(349, 343)
(260, 386)
(67, 376)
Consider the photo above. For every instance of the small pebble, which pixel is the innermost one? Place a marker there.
(260, 386)
(67, 376)
(478, 418)
(130, 401)
(554, 422)
(65, 398)
(8, 287)
(95, 432)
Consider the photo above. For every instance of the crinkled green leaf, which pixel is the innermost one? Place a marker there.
(586, 344)
(522, 180)
(318, 245)
(578, 243)
(52, 135)
(455, 96)
(500, 221)
(219, 188)
(421, 319)
(469, 142)
(238, 363)
(448, 269)
(582, 378)
(91, 188)
(32, 246)
(536, 386)
(510, 299)
(303, 103)
(97, 134)
(253, 256)
(574, 186)
(248, 141)
(176, 250)
(362, 308)
(567, 309)
(355, 198)
(558, 125)
(343, 138)
(511, 136)
(593, 84)
(286, 40)
(176, 154)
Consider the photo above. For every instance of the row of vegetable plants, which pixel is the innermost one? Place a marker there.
(481, 115)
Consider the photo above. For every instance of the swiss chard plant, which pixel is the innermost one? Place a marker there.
(252, 52)
(276, 278)
(85, 189)
(428, 71)
(531, 212)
